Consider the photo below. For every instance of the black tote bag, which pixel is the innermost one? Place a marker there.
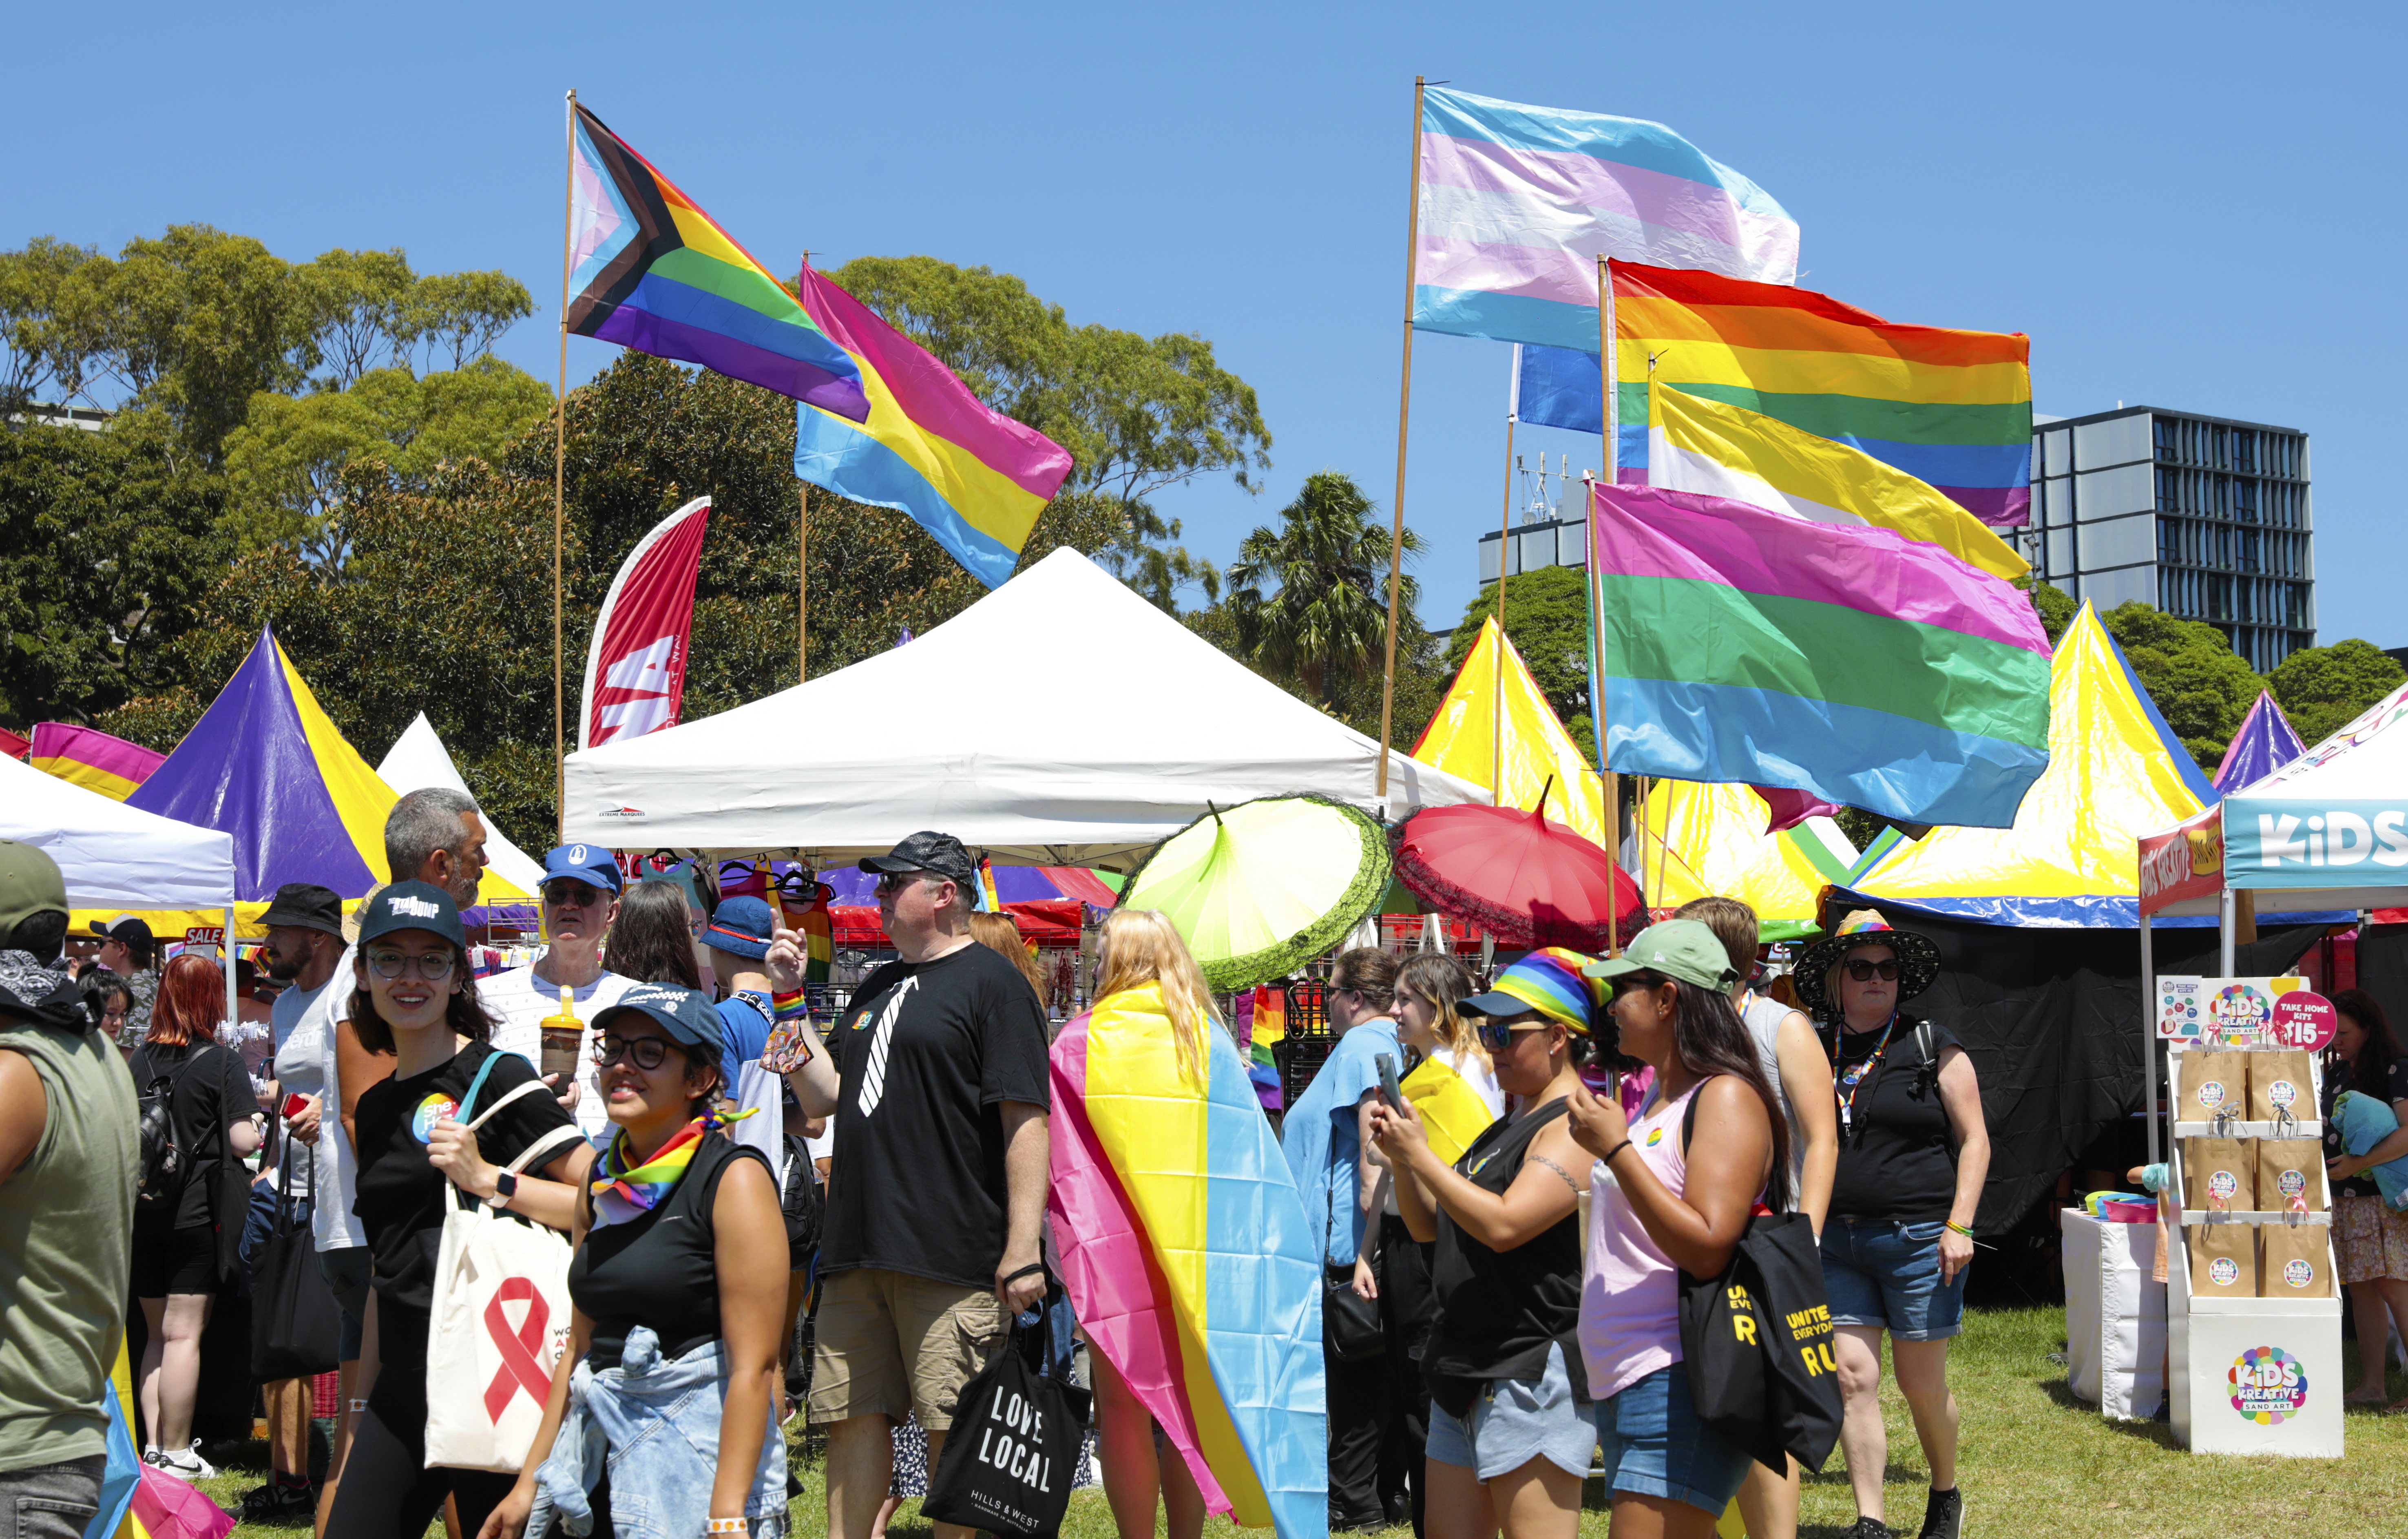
(1013, 1451)
(296, 1324)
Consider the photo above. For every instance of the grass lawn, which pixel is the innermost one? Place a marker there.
(2035, 1461)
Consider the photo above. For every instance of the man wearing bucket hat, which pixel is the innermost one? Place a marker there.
(1914, 1150)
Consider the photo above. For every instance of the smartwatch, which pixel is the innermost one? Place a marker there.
(506, 1187)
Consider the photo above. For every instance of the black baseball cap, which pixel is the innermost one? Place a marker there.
(411, 905)
(125, 928)
(687, 1015)
(304, 905)
(940, 855)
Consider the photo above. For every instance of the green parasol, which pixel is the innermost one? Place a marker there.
(1260, 888)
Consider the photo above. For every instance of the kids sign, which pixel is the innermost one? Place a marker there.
(2234, 1012)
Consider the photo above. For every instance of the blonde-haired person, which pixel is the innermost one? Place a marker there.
(1792, 1061)
(999, 934)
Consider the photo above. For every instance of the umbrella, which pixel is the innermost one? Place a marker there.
(1260, 888)
(1521, 878)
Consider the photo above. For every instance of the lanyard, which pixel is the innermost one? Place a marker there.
(1848, 1102)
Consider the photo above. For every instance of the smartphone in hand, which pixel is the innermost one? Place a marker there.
(294, 1106)
(1389, 1090)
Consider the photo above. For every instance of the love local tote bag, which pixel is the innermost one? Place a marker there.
(1015, 1448)
(500, 1321)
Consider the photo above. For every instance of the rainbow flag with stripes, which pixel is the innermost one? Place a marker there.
(1189, 1259)
(1847, 661)
(650, 270)
(970, 475)
(1517, 203)
(86, 756)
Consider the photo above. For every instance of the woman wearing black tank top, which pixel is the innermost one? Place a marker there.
(680, 1284)
(1509, 1434)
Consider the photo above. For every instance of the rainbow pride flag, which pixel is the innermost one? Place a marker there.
(651, 271)
(970, 475)
(1517, 203)
(1189, 1259)
(1847, 661)
(92, 759)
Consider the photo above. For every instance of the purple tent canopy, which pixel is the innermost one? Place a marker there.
(2264, 744)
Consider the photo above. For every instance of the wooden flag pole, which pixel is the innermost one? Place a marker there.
(1404, 416)
(1612, 797)
(802, 541)
(1504, 543)
(559, 484)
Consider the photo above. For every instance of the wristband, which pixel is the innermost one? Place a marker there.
(1961, 1229)
(786, 1007)
(1608, 1158)
(728, 1525)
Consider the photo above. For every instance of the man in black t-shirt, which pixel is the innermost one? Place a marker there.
(937, 1183)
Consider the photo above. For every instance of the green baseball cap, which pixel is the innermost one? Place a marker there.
(1677, 948)
(29, 883)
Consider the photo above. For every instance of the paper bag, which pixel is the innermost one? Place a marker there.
(2295, 1260)
(2211, 1082)
(2223, 1262)
(2279, 1085)
(2290, 1175)
(2219, 1173)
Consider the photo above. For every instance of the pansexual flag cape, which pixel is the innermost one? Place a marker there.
(1189, 1259)
(1844, 661)
(650, 270)
(1517, 203)
(970, 475)
(86, 756)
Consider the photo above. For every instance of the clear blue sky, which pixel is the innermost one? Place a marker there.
(2196, 206)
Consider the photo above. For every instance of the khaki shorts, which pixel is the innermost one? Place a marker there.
(888, 1343)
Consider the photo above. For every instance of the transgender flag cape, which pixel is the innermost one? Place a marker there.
(1189, 1258)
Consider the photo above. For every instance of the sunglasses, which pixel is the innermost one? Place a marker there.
(433, 966)
(648, 1052)
(897, 880)
(1865, 973)
(570, 894)
(1497, 1036)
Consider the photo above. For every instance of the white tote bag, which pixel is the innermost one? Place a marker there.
(500, 1323)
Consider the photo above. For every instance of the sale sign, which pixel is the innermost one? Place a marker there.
(2302, 1019)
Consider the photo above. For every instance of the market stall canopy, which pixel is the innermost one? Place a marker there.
(2264, 744)
(1466, 738)
(2116, 772)
(1696, 840)
(265, 765)
(1151, 724)
(418, 759)
(114, 857)
(2326, 833)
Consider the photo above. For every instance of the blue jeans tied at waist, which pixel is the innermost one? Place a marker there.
(660, 1485)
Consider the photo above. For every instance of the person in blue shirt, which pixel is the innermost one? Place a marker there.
(737, 937)
(1323, 1137)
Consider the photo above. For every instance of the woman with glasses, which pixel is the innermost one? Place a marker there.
(416, 999)
(1510, 1435)
(660, 1406)
(1914, 1150)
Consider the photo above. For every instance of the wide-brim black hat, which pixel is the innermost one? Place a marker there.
(1919, 958)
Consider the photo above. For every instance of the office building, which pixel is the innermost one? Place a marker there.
(2206, 517)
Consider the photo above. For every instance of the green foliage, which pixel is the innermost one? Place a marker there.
(2053, 605)
(1310, 598)
(112, 542)
(36, 322)
(2200, 685)
(2321, 689)
(1546, 615)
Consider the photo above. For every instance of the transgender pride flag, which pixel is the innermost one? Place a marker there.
(1517, 203)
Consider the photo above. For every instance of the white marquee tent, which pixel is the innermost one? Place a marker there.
(418, 759)
(953, 732)
(115, 857)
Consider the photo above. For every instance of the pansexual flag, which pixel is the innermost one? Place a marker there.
(651, 271)
(1189, 1258)
(1699, 445)
(970, 475)
(1846, 661)
(1517, 203)
(92, 759)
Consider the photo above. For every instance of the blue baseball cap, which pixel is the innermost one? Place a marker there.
(740, 926)
(591, 864)
(687, 1015)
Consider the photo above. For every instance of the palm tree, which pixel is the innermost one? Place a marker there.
(1328, 620)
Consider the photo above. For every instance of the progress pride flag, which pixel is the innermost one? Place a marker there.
(635, 671)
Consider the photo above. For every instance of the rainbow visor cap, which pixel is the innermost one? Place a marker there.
(1550, 982)
(1676, 948)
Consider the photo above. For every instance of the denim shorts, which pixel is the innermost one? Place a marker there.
(1515, 1421)
(1652, 1443)
(1878, 1271)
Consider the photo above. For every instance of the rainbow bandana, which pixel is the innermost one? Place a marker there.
(1548, 981)
(621, 1193)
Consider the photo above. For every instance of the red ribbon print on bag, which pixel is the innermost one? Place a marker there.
(522, 1366)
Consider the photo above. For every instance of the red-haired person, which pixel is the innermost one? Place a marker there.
(216, 1121)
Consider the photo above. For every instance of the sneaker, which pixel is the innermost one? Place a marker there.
(186, 1464)
(1867, 1528)
(280, 1501)
(1944, 1515)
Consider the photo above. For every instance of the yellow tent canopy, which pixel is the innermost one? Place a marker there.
(1698, 839)
(1469, 736)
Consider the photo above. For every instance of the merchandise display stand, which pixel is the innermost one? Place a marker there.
(2250, 1376)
